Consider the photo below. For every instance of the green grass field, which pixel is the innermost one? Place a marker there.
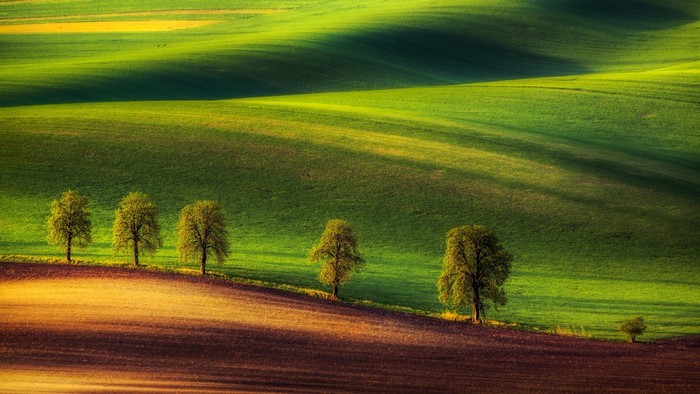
(571, 128)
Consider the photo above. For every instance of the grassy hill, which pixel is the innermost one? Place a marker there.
(312, 46)
(569, 127)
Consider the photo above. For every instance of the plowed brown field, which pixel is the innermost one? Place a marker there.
(77, 328)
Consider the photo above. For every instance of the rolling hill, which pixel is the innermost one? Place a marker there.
(568, 127)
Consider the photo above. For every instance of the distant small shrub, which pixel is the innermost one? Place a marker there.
(633, 327)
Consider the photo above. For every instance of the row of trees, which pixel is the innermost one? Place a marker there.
(474, 270)
(201, 229)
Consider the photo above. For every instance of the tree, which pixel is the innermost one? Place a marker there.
(69, 222)
(136, 225)
(633, 327)
(338, 252)
(474, 269)
(202, 229)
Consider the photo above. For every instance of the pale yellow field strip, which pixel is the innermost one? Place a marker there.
(185, 12)
(103, 27)
(13, 2)
(147, 13)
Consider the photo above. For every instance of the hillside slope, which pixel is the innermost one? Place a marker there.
(314, 46)
(590, 185)
(93, 329)
(569, 127)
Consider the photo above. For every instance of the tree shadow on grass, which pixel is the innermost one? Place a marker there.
(629, 14)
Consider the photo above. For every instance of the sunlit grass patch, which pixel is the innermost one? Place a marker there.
(570, 331)
(453, 316)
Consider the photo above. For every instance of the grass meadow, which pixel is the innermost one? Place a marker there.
(570, 128)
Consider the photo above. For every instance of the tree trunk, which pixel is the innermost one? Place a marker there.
(476, 318)
(476, 306)
(336, 279)
(68, 246)
(136, 253)
(203, 262)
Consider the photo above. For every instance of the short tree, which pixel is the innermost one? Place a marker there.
(633, 327)
(202, 229)
(474, 269)
(339, 254)
(69, 222)
(136, 226)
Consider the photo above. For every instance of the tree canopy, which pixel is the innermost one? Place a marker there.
(633, 327)
(202, 229)
(136, 225)
(474, 269)
(69, 222)
(338, 252)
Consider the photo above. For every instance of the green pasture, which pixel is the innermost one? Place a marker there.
(570, 128)
(320, 46)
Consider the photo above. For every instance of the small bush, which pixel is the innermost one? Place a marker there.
(633, 327)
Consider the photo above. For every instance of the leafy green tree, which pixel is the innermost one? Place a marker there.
(136, 225)
(69, 222)
(201, 230)
(633, 327)
(474, 269)
(338, 252)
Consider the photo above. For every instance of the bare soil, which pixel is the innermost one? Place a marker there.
(78, 328)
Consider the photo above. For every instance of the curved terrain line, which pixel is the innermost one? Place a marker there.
(582, 90)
